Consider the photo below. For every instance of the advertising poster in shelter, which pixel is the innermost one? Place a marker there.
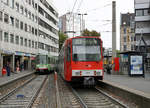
(136, 65)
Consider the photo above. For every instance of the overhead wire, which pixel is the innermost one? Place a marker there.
(71, 13)
(72, 9)
(79, 6)
(99, 7)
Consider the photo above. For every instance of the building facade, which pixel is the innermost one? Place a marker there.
(142, 27)
(71, 24)
(127, 34)
(27, 28)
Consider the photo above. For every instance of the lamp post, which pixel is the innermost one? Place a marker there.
(81, 20)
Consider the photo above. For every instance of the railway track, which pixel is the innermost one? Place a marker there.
(95, 98)
(24, 95)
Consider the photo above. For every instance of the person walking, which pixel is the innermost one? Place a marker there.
(8, 69)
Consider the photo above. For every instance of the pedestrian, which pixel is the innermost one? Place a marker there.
(8, 69)
(109, 68)
(3, 71)
(21, 66)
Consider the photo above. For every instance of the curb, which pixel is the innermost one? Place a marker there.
(139, 98)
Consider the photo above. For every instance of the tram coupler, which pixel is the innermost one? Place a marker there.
(89, 81)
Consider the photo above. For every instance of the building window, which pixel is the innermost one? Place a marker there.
(17, 40)
(6, 2)
(132, 47)
(32, 30)
(35, 45)
(12, 3)
(29, 15)
(32, 44)
(146, 12)
(33, 3)
(36, 32)
(21, 25)
(6, 37)
(21, 41)
(36, 6)
(29, 29)
(25, 42)
(6, 18)
(139, 12)
(12, 20)
(124, 30)
(33, 17)
(12, 38)
(17, 7)
(29, 43)
(1, 16)
(21, 8)
(26, 28)
(29, 2)
(26, 12)
(125, 47)
(1, 35)
(17, 23)
(124, 39)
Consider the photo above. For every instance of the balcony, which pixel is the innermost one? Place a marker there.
(142, 18)
(142, 5)
(144, 30)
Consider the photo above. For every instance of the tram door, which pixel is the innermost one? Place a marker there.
(68, 60)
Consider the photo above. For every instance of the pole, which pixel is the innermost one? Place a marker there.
(80, 26)
(113, 34)
(73, 25)
(113, 29)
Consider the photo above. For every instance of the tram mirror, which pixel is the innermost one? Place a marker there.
(75, 57)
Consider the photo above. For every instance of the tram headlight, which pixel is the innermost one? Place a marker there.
(77, 73)
(98, 73)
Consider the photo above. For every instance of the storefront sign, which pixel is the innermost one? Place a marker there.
(136, 65)
(27, 54)
(7, 52)
(19, 53)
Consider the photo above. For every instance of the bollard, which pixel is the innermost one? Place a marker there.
(55, 76)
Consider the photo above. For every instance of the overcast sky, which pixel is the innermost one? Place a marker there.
(98, 12)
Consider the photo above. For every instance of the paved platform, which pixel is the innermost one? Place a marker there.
(5, 79)
(133, 83)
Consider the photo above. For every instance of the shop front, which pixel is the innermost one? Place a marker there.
(7, 57)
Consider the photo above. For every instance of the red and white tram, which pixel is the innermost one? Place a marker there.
(80, 60)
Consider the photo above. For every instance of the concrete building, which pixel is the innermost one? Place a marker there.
(70, 24)
(127, 34)
(142, 26)
(27, 27)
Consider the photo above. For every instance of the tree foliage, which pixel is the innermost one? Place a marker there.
(62, 38)
(87, 32)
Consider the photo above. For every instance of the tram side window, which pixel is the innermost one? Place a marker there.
(68, 53)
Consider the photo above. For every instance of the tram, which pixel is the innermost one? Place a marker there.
(81, 60)
(45, 64)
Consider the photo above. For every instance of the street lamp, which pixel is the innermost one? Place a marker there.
(81, 24)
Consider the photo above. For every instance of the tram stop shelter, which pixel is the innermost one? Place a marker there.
(132, 63)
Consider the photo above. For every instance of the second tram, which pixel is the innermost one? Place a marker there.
(45, 64)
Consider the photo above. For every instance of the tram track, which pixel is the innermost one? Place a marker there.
(95, 98)
(24, 95)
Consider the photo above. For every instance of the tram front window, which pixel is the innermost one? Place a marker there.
(42, 59)
(86, 49)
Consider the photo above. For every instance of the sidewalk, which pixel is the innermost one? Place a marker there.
(136, 83)
(5, 79)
